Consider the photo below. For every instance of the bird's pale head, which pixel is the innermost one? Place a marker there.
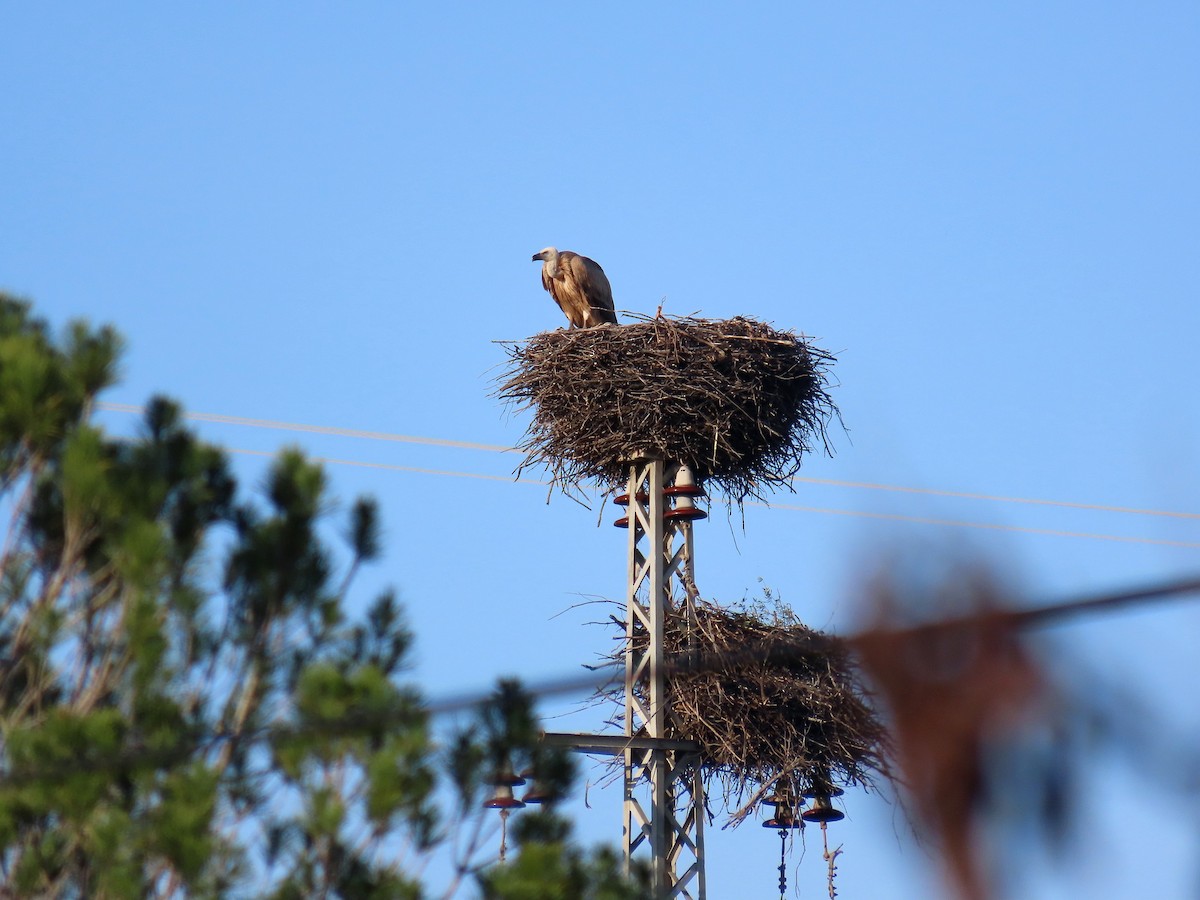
(546, 254)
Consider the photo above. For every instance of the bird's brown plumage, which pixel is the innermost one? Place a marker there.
(579, 287)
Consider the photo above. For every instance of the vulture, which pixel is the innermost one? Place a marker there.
(579, 287)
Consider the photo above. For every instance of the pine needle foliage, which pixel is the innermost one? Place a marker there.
(186, 710)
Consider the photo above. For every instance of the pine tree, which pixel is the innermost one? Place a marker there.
(185, 708)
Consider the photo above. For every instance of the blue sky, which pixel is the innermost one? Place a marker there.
(324, 214)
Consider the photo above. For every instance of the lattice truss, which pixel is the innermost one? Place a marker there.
(668, 822)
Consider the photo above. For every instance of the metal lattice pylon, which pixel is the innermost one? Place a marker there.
(661, 593)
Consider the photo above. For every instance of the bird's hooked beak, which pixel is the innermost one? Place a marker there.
(537, 257)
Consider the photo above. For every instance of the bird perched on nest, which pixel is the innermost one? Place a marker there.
(579, 287)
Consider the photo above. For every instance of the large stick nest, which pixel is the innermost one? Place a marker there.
(772, 703)
(737, 400)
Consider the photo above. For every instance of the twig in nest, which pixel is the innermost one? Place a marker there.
(739, 401)
(768, 702)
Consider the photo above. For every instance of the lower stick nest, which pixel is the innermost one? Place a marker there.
(770, 701)
(739, 401)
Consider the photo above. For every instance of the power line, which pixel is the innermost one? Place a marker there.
(393, 467)
(600, 678)
(988, 526)
(497, 448)
(220, 419)
(998, 498)
(1044, 616)
(893, 517)
(1054, 614)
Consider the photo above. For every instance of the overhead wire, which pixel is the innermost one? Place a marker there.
(603, 676)
(1041, 616)
(598, 678)
(395, 467)
(1000, 498)
(986, 526)
(334, 431)
(220, 419)
(820, 510)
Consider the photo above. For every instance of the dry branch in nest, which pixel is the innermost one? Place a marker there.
(771, 702)
(737, 400)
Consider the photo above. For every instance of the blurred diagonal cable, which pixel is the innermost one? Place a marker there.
(1030, 617)
(602, 676)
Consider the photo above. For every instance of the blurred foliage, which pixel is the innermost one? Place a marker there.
(185, 707)
(550, 867)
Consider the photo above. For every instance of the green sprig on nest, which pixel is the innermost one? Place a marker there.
(739, 401)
